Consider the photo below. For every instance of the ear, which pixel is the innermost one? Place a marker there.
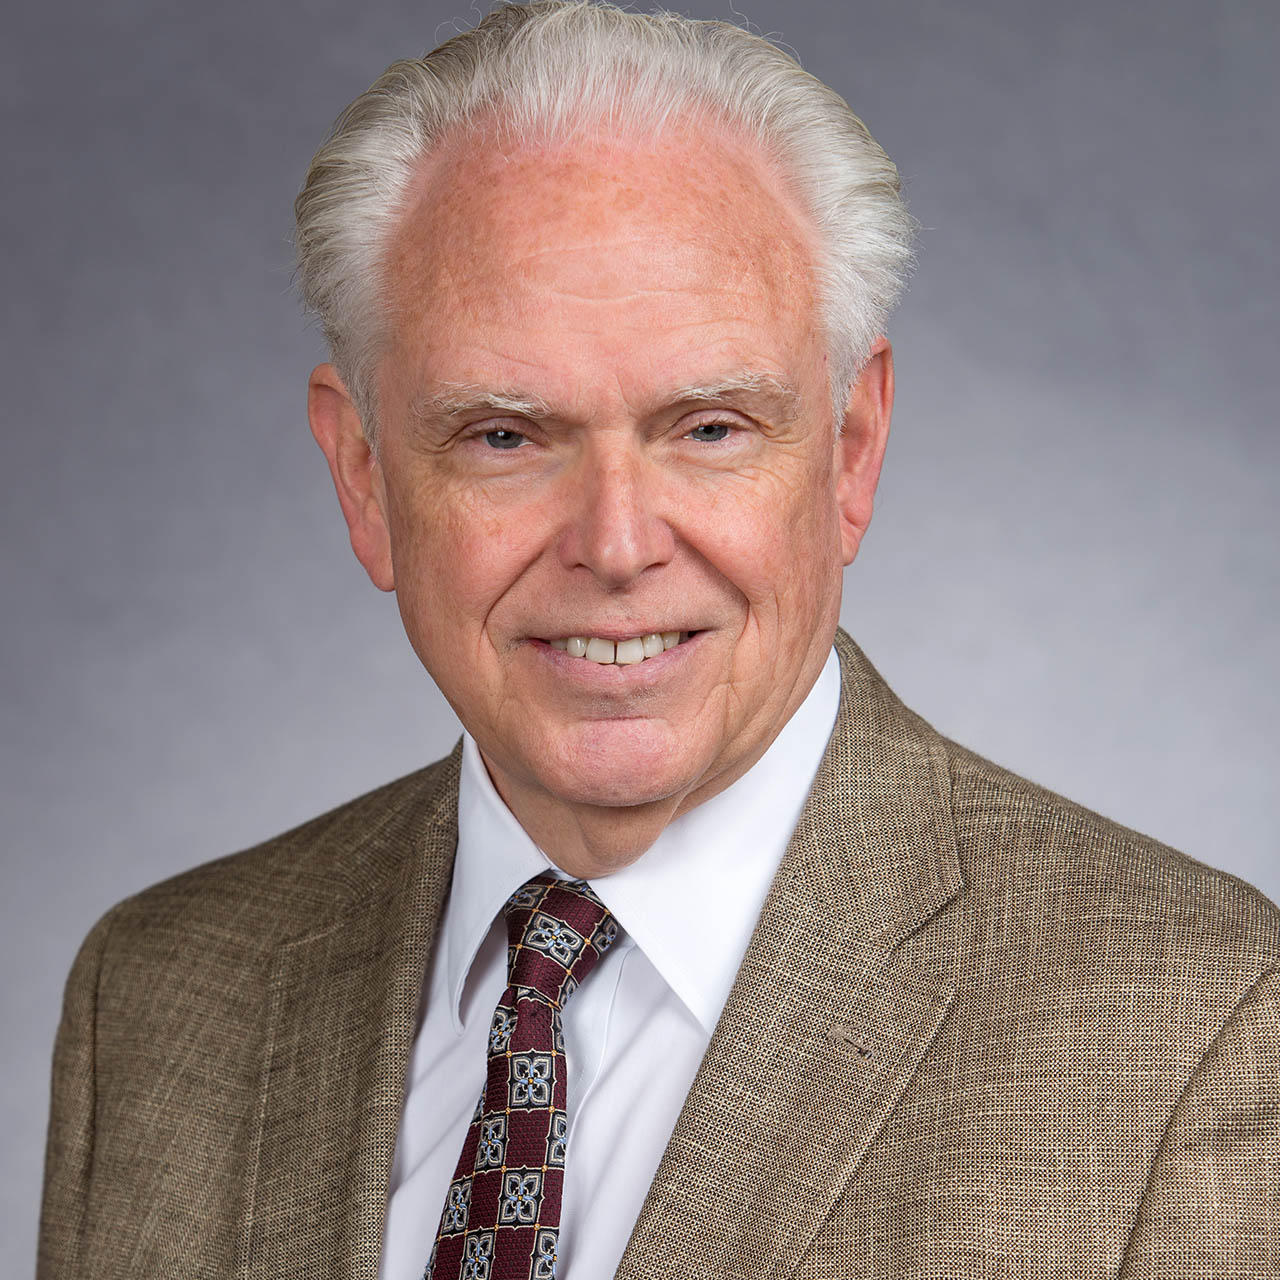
(357, 476)
(860, 446)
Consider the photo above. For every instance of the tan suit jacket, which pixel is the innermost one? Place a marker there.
(978, 1032)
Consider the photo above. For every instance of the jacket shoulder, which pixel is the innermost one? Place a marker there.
(1070, 873)
(299, 880)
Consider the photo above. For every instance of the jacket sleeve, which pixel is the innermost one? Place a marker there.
(69, 1149)
(1212, 1203)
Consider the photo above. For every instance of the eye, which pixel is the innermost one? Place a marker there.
(710, 432)
(503, 438)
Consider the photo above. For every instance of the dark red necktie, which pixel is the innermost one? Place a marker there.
(501, 1217)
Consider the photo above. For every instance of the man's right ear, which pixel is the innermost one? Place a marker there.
(357, 475)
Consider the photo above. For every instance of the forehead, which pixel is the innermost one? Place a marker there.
(610, 249)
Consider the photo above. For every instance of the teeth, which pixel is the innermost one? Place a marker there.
(629, 651)
(621, 653)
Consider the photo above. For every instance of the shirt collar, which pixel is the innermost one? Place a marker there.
(691, 901)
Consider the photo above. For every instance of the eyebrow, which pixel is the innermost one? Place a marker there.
(458, 399)
(748, 384)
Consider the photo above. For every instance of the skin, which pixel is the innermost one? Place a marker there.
(589, 288)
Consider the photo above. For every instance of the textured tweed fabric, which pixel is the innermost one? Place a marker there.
(979, 1032)
(501, 1218)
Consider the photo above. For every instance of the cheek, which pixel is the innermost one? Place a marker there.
(455, 558)
(777, 543)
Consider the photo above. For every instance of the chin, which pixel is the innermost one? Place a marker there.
(614, 794)
(623, 774)
(618, 789)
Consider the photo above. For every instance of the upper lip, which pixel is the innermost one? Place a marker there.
(612, 633)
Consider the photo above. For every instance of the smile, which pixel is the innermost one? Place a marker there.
(620, 652)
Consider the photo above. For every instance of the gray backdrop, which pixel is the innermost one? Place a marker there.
(1073, 565)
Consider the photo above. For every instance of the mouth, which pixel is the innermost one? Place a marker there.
(622, 652)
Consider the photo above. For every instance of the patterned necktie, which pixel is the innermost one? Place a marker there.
(501, 1217)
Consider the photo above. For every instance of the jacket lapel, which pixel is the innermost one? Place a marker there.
(846, 981)
(343, 1008)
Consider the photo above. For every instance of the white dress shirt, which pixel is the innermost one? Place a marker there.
(637, 1029)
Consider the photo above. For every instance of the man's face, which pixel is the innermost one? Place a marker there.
(605, 413)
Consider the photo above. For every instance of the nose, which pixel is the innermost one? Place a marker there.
(615, 529)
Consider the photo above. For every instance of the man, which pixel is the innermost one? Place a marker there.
(608, 401)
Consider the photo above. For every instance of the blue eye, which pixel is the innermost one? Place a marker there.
(709, 432)
(503, 439)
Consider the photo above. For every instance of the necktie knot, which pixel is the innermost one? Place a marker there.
(557, 930)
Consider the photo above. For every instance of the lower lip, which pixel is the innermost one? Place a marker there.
(613, 672)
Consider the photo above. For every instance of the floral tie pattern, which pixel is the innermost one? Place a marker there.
(501, 1218)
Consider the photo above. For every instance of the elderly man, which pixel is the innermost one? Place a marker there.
(701, 956)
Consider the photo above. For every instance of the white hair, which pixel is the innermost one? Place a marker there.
(553, 67)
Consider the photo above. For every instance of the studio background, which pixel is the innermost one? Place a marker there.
(1073, 564)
